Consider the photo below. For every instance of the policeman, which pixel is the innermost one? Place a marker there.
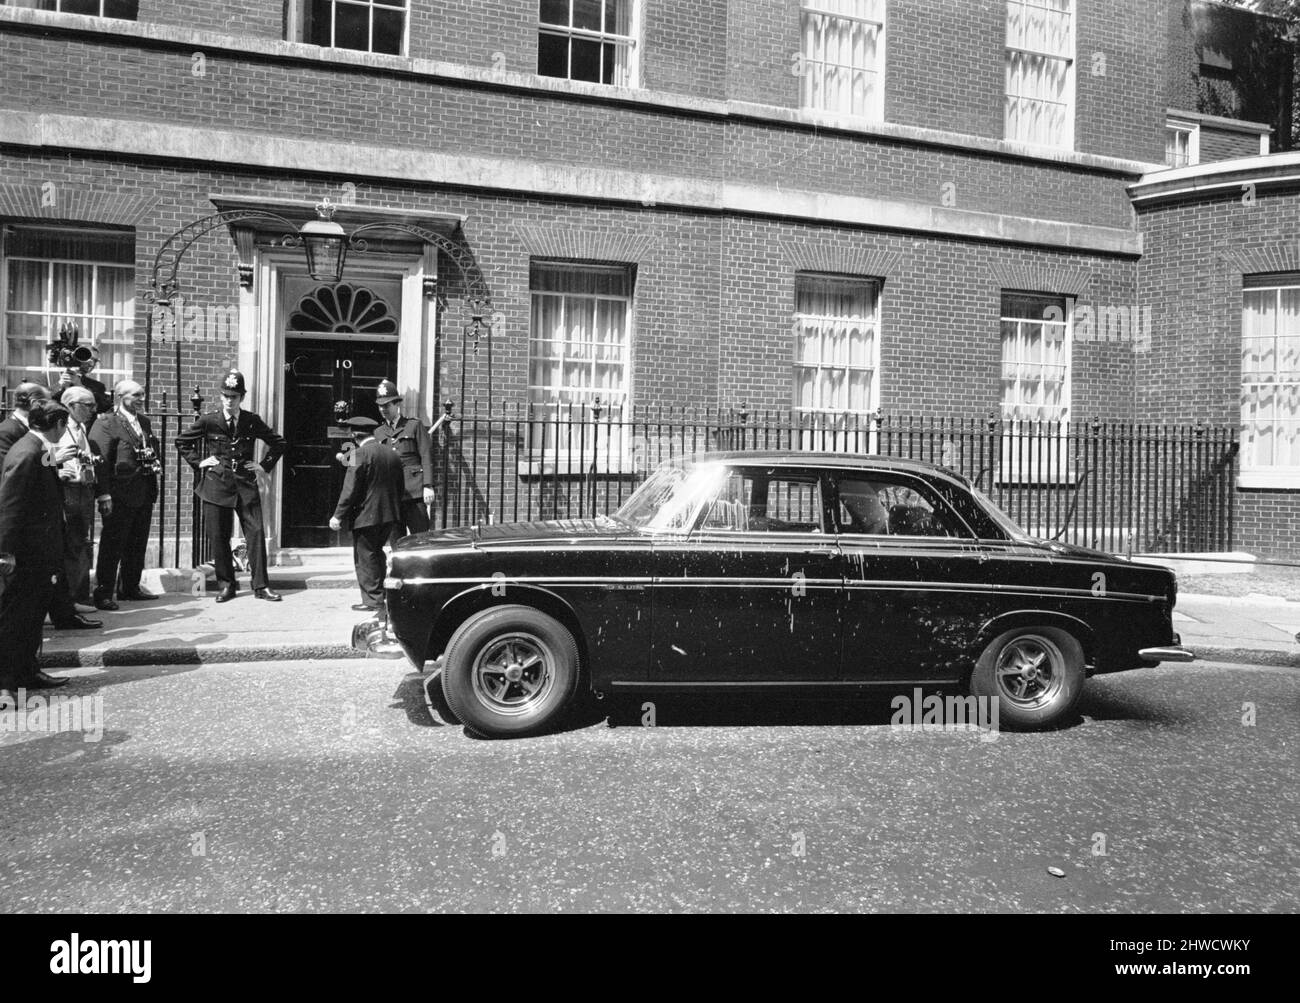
(410, 439)
(371, 502)
(228, 482)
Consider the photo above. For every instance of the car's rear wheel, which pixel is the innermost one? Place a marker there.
(1036, 673)
(510, 671)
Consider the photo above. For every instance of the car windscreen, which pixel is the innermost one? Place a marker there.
(670, 497)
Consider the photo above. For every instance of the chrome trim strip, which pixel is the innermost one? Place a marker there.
(792, 683)
(858, 585)
(1167, 654)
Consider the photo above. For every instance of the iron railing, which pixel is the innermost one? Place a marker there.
(1122, 487)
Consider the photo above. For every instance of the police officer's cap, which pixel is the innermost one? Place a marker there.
(362, 424)
(233, 383)
(387, 392)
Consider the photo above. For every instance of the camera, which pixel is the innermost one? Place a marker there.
(148, 460)
(66, 353)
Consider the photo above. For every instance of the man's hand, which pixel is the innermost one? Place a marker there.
(210, 461)
(105, 507)
(65, 452)
(335, 523)
(428, 496)
(65, 379)
(253, 467)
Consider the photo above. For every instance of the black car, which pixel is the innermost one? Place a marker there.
(763, 571)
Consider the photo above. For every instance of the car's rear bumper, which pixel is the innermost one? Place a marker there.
(1167, 653)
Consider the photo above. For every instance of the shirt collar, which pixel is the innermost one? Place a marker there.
(22, 418)
(134, 419)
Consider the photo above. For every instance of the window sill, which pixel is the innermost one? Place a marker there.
(1287, 479)
(571, 466)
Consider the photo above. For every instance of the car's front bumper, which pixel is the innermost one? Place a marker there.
(372, 637)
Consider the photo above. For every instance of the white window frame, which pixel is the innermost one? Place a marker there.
(1253, 475)
(814, 68)
(1035, 468)
(1190, 129)
(1066, 141)
(296, 29)
(605, 447)
(631, 41)
(58, 8)
(832, 430)
(47, 373)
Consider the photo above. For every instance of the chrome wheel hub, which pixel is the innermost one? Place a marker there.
(1030, 671)
(513, 673)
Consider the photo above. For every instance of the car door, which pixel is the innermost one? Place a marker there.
(752, 593)
(913, 597)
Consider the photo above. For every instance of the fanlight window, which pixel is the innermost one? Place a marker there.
(343, 309)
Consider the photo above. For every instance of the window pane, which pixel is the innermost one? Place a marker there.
(351, 26)
(320, 23)
(388, 31)
(585, 55)
(80, 7)
(126, 9)
(588, 14)
(554, 12)
(553, 55)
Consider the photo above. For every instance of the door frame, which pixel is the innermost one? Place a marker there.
(261, 350)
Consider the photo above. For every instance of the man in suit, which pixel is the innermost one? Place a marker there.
(410, 440)
(228, 482)
(31, 546)
(373, 489)
(14, 428)
(127, 489)
(78, 475)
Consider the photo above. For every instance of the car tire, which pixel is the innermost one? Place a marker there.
(510, 671)
(1036, 674)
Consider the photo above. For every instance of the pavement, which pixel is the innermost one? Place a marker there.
(315, 621)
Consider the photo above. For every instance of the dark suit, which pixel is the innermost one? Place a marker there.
(373, 488)
(413, 445)
(228, 488)
(11, 430)
(31, 529)
(133, 490)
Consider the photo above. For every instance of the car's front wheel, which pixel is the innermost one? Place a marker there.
(1036, 674)
(510, 671)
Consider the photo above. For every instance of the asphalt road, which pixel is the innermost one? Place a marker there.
(331, 786)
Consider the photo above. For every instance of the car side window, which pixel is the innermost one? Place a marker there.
(752, 503)
(885, 508)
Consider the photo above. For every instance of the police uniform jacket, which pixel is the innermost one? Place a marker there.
(31, 507)
(414, 447)
(372, 487)
(121, 475)
(228, 483)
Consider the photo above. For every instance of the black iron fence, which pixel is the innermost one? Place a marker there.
(1117, 486)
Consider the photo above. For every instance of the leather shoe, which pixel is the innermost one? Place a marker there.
(136, 595)
(43, 680)
(226, 594)
(104, 602)
(267, 594)
(77, 622)
(365, 608)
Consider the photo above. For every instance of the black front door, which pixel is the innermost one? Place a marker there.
(319, 373)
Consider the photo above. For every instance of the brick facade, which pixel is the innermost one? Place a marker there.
(716, 118)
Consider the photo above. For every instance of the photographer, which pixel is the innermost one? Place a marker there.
(79, 475)
(77, 362)
(128, 487)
